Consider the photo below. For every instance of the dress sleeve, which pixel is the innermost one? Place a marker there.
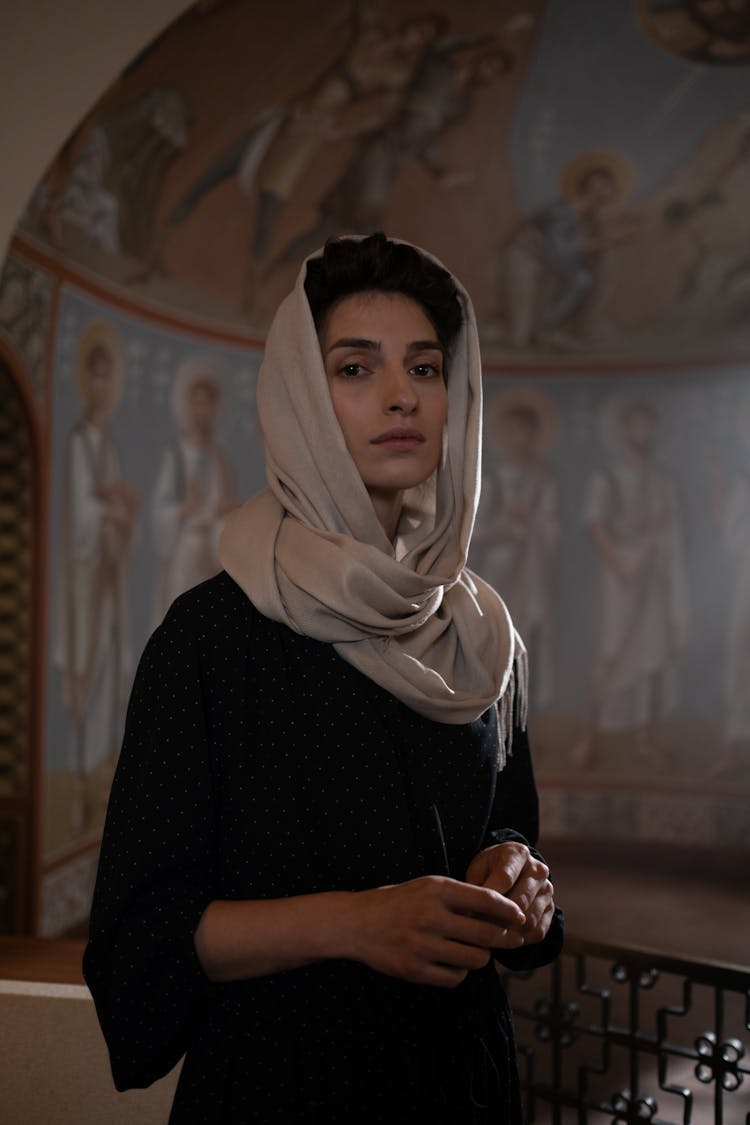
(516, 805)
(515, 817)
(156, 869)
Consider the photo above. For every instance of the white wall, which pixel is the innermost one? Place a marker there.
(54, 1068)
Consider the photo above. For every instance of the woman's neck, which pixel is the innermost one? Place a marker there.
(387, 505)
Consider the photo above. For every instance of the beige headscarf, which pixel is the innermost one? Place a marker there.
(310, 551)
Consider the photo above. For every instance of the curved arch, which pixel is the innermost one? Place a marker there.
(56, 61)
(20, 628)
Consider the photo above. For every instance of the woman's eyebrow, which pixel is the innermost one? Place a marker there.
(426, 346)
(364, 344)
(357, 342)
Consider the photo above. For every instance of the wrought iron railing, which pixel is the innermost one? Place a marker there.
(610, 1035)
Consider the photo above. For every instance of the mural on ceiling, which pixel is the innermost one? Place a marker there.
(713, 31)
(585, 172)
(596, 211)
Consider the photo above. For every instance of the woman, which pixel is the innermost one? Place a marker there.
(315, 844)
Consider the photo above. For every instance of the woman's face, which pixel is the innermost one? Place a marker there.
(385, 371)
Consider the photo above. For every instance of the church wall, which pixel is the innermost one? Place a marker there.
(55, 60)
(616, 377)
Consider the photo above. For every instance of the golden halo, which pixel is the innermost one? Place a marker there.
(100, 334)
(673, 29)
(580, 166)
(529, 398)
(677, 31)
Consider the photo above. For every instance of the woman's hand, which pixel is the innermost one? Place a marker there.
(432, 930)
(512, 871)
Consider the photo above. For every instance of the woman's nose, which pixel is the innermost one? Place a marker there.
(399, 391)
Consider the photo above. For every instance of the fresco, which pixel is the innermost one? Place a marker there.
(709, 31)
(149, 424)
(25, 295)
(585, 169)
(615, 519)
(582, 166)
(631, 504)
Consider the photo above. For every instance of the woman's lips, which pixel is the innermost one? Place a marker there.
(399, 438)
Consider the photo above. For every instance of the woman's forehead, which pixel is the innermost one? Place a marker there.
(376, 311)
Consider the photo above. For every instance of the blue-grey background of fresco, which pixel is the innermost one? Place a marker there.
(598, 80)
(699, 419)
(142, 426)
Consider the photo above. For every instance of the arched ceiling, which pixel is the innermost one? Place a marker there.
(585, 168)
(55, 61)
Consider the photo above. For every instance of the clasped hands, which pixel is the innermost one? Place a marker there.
(434, 930)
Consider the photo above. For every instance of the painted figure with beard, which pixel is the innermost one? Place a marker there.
(440, 97)
(517, 537)
(98, 523)
(633, 518)
(731, 511)
(195, 487)
(554, 268)
(271, 158)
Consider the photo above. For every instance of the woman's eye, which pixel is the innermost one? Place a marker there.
(425, 370)
(351, 370)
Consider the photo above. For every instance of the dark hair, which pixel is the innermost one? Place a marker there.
(377, 264)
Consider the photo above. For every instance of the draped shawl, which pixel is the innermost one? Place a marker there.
(310, 551)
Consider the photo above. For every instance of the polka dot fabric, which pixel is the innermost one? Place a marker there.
(258, 764)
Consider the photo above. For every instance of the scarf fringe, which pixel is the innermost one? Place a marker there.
(513, 705)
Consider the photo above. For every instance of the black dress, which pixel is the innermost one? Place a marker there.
(257, 764)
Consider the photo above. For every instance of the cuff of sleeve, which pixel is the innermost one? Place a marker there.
(534, 956)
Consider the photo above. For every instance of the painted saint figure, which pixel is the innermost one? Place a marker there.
(710, 213)
(731, 510)
(272, 157)
(107, 178)
(554, 268)
(99, 516)
(737, 675)
(519, 523)
(633, 517)
(440, 96)
(195, 488)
